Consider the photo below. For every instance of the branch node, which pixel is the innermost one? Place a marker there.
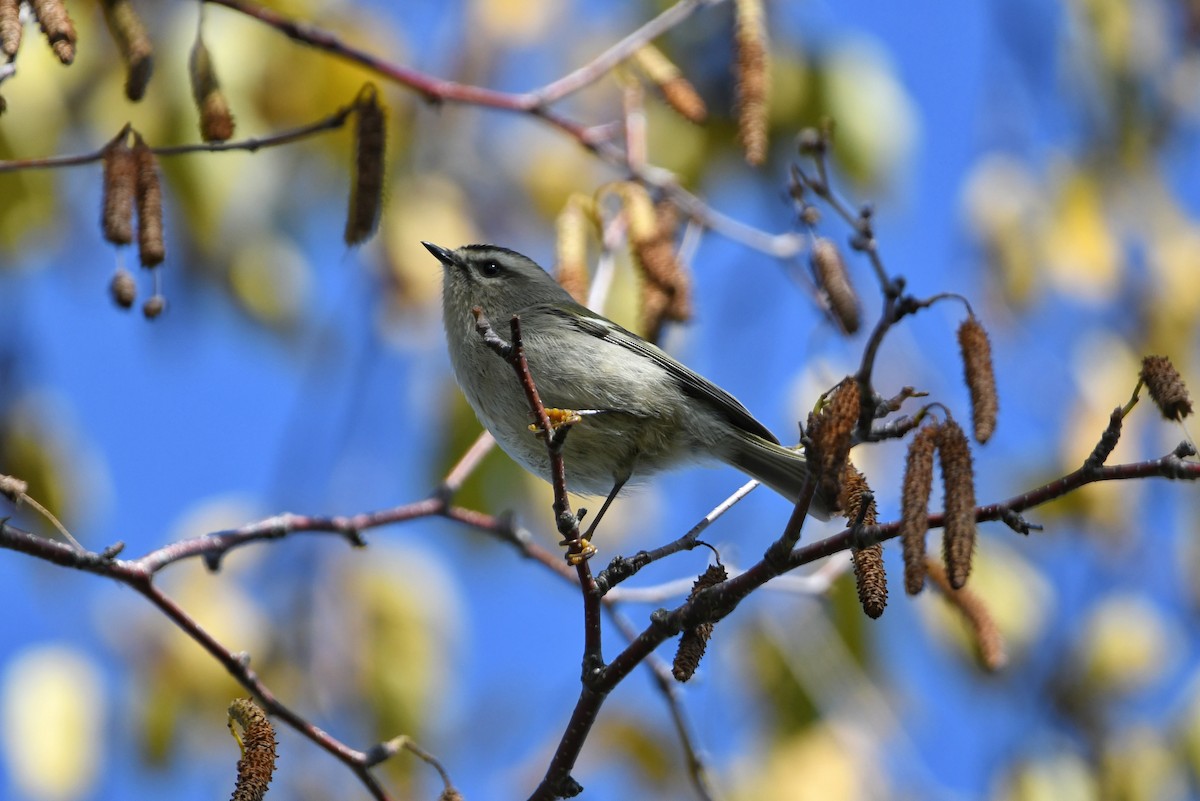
(483, 327)
(592, 674)
(1017, 522)
(567, 787)
(111, 552)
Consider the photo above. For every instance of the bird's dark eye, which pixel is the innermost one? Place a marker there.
(489, 269)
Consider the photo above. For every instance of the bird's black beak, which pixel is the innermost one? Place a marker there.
(446, 257)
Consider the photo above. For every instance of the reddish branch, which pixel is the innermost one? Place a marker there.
(567, 521)
(717, 602)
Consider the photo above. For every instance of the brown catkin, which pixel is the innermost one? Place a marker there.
(830, 271)
(753, 78)
(694, 641)
(870, 578)
(133, 43)
(571, 228)
(958, 483)
(980, 377)
(123, 289)
(666, 284)
(676, 89)
(989, 642)
(257, 765)
(120, 183)
(56, 24)
(151, 250)
(831, 434)
(914, 506)
(370, 141)
(10, 27)
(216, 120)
(652, 307)
(1166, 387)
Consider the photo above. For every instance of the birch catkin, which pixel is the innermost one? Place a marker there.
(133, 43)
(148, 194)
(366, 193)
(753, 78)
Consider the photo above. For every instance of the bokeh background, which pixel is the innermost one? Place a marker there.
(1042, 158)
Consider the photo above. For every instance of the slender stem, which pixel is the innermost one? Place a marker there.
(333, 121)
(604, 63)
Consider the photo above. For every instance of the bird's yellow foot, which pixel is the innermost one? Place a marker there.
(558, 419)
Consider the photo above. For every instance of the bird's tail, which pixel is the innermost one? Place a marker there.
(780, 468)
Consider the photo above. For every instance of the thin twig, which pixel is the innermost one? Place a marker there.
(335, 120)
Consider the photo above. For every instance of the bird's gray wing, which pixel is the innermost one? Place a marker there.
(693, 384)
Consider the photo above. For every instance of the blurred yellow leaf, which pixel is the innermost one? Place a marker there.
(1139, 765)
(1111, 22)
(429, 208)
(1125, 644)
(652, 752)
(403, 617)
(1060, 776)
(53, 722)
(1004, 208)
(1187, 729)
(514, 22)
(1174, 257)
(1083, 256)
(551, 168)
(271, 277)
(814, 765)
(877, 123)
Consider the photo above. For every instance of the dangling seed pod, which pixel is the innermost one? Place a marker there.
(666, 285)
(831, 276)
(216, 120)
(571, 248)
(870, 578)
(958, 483)
(154, 306)
(694, 641)
(133, 43)
(753, 78)
(1166, 387)
(123, 289)
(914, 506)
(980, 377)
(370, 140)
(676, 89)
(151, 250)
(257, 765)
(56, 24)
(10, 28)
(120, 183)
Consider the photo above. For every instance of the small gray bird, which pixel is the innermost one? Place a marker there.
(642, 410)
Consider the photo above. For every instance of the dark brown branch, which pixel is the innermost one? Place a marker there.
(332, 122)
(579, 550)
(716, 602)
